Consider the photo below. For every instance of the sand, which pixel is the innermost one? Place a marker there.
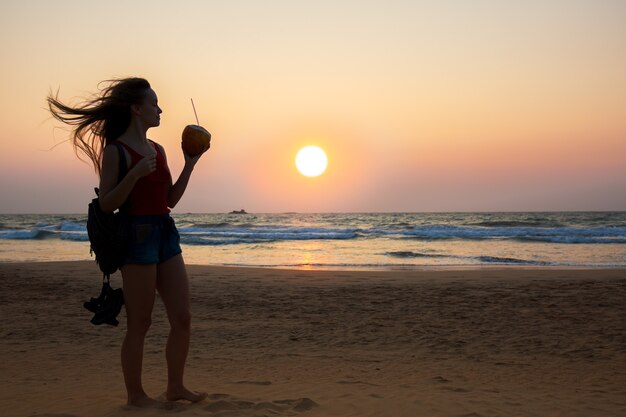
(488, 342)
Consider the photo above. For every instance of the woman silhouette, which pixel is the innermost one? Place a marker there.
(123, 112)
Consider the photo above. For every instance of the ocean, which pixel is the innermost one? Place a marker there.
(352, 240)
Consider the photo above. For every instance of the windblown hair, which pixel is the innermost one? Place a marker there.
(102, 119)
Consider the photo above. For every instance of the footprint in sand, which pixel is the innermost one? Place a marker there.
(254, 382)
(345, 382)
(455, 389)
(440, 380)
(53, 415)
(224, 405)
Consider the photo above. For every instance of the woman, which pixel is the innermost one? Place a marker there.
(123, 113)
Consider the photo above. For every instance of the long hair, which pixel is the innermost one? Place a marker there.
(101, 119)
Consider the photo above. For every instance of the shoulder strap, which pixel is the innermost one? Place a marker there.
(157, 148)
(122, 169)
(122, 166)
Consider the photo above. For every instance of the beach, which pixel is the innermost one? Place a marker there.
(515, 341)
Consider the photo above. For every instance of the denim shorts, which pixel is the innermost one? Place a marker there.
(153, 239)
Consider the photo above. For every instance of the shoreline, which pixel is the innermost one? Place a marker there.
(383, 269)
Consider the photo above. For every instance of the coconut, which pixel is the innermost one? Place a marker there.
(195, 139)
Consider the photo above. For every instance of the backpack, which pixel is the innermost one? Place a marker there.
(108, 236)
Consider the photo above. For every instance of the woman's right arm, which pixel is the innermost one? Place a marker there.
(112, 195)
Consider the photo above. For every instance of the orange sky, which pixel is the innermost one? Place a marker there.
(420, 105)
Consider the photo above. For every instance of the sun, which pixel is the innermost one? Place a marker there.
(311, 161)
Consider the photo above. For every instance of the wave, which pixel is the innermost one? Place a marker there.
(565, 235)
(195, 235)
(501, 260)
(19, 234)
(212, 241)
(77, 237)
(68, 226)
(211, 225)
(517, 223)
(573, 240)
(66, 230)
(38, 234)
(233, 235)
(472, 259)
(409, 254)
(584, 228)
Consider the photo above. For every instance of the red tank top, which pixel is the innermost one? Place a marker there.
(149, 196)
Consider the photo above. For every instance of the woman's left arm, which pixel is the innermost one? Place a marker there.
(178, 188)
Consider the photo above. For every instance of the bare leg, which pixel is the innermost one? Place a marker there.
(139, 295)
(173, 286)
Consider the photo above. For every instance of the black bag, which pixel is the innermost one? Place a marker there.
(108, 237)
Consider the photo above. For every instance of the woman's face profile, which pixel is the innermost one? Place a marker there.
(148, 110)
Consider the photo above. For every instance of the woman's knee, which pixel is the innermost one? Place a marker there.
(139, 325)
(181, 320)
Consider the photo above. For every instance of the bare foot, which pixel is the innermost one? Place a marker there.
(144, 402)
(183, 393)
